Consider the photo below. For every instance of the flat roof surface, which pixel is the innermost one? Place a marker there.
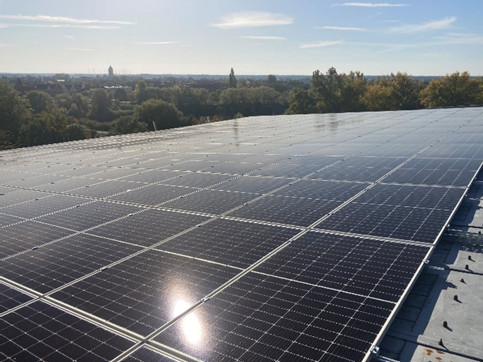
(264, 238)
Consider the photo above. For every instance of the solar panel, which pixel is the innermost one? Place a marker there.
(146, 291)
(147, 227)
(56, 264)
(28, 234)
(40, 331)
(265, 238)
(238, 244)
(265, 318)
(147, 354)
(357, 265)
(11, 297)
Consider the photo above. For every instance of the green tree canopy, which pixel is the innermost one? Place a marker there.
(100, 105)
(457, 89)
(393, 92)
(301, 102)
(44, 128)
(14, 112)
(232, 79)
(140, 91)
(127, 124)
(160, 113)
(39, 101)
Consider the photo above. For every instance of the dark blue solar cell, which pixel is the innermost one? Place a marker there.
(42, 332)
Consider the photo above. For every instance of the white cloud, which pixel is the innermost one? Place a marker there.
(157, 42)
(252, 19)
(431, 25)
(262, 37)
(62, 19)
(373, 5)
(77, 26)
(70, 37)
(341, 28)
(320, 44)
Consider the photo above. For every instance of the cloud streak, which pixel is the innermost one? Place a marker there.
(62, 19)
(341, 28)
(77, 26)
(428, 26)
(372, 5)
(262, 37)
(252, 19)
(320, 44)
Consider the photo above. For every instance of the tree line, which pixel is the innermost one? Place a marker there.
(36, 118)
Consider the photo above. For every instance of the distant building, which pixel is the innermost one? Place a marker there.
(111, 71)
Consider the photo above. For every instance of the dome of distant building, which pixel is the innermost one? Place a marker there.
(110, 70)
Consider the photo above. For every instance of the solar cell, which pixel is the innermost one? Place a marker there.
(211, 201)
(292, 169)
(146, 291)
(408, 223)
(18, 196)
(261, 317)
(151, 176)
(6, 220)
(322, 190)
(412, 196)
(42, 206)
(452, 172)
(359, 169)
(103, 189)
(11, 298)
(238, 244)
(40, 331)
(197, 179)
(26, 235)
(357, 265)
(89, 215)
(259, 185)
(148, 227)
(286, 210)
(147, 354)
(152, 194)
(56, 264)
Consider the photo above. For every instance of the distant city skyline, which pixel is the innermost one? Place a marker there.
(431, 37)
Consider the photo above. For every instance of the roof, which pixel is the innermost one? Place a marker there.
(284, 237)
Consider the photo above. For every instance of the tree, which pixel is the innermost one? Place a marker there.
(39, 101)
(45, 127)
(127, 124)
(232, 79)
(100, 103)
(457, 89)
(301, 102)
(393, 92)
(76, 132)
(14, 112)
(159, 113)
(378, 98)
(271, 80)
(120, 94)
(326, 90)
(140, 91)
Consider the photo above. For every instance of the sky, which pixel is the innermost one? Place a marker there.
(284, 37)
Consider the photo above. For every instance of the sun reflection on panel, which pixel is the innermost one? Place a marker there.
(190, 325)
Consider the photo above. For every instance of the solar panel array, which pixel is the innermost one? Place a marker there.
(264, 238)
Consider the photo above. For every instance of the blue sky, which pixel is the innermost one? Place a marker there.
(421, 37)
